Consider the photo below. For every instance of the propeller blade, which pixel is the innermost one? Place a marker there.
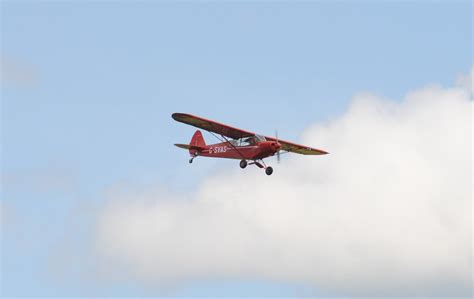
(278, 153)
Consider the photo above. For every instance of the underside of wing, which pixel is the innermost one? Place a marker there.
(298, 148)
(211, 126)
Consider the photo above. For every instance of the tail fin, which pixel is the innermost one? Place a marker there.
(196, 145)
(197, 140)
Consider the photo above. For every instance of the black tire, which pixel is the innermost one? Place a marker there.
(269, 170)
(243, 164)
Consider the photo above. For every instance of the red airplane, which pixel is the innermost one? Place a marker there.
(237, 144)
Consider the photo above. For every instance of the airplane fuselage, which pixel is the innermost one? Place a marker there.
(228, 150)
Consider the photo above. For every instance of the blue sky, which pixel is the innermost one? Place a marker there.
(108, 75)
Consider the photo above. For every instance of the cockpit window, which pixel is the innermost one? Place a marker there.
(251, 140)
(247, 141)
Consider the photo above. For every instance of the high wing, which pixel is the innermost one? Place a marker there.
(211, 126)
(297, 148)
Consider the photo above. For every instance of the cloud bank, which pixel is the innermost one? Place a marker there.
(388, 212)
(467, 82)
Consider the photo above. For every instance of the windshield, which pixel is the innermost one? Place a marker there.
(251, 140)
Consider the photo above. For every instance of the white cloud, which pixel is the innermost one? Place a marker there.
(388, 212)
(467, 81)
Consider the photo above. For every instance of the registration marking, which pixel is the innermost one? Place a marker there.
(218, 149)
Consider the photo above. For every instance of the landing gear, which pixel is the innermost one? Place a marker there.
(192, 158)
(269, 170)
(259, 164)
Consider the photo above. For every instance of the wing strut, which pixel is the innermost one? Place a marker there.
(226, 140)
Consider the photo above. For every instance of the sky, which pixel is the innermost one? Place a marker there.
(88, 167)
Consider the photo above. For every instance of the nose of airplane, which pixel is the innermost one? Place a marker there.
(276, 146)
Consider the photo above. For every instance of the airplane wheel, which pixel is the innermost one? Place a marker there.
(243, 164)
(190, 161)
(269, 170)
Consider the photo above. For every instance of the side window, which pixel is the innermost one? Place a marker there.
(246, 141)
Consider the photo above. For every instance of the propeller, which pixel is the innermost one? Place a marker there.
(278, 153)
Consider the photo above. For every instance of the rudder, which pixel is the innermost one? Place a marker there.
(197, 140)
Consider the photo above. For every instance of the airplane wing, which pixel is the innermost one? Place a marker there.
(297, 148)
(211, 126)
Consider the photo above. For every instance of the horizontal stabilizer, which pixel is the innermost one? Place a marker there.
(189, 147)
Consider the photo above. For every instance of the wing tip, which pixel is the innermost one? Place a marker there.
(181, 117)
(323, 152)
(176, 115)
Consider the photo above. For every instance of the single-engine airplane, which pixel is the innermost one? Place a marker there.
(237, 144)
